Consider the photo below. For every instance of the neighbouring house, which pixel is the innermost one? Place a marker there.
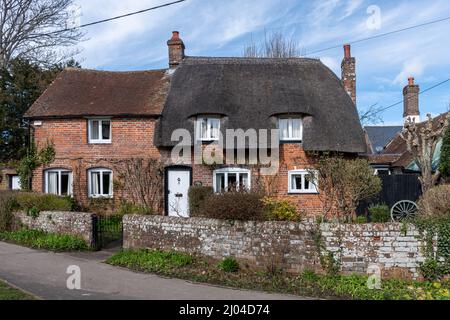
(96, 118)
(9, 179)
(387, 149)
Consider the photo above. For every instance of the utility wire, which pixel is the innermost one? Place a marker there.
(118, 17)
(421, 92)
(380, 35)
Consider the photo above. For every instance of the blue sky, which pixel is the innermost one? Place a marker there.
(222, 28)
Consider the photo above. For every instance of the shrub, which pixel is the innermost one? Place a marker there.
(380, 213)
(131, 208)
(229, 265)
(196, 197)
(234, 205)
(280, 210)
(444, 166)
(435, 202)
(7, 202)
(41, 240)
(360, 220)
(33, 203)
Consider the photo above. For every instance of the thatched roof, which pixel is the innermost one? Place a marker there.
(81, 92)
(251, 92)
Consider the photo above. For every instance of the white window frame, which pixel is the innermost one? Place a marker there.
(209, 128)
(101, 171)
(303, 173)
(100, 139)
(226, 172)
(290, 121)
(59, 172)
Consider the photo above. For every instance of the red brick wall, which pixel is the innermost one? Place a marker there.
(130, 138)
(134, 138)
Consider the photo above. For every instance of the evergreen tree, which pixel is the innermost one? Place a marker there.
(20, 85)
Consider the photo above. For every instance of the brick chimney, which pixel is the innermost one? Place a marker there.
(411, 101)
(348, 67)
(176, 50)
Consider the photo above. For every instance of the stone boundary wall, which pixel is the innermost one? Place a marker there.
(71, 223)
(288, 244)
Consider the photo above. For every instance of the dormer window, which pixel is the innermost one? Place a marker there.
(208, 129)
(100, 131)
(291, 129)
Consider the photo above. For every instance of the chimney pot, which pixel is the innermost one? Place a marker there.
(411, 81)
(347, 50)
(175, 35)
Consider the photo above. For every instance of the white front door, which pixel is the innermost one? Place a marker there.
(179, 182)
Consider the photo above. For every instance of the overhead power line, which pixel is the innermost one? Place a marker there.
(119, 17)
(379, 35)
(420, 93)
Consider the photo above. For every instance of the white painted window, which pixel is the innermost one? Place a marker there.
(100, 182)
(291, 129)
(58, 182)
(208, 129)
(100, 131)
(302, 181)
(227, 178)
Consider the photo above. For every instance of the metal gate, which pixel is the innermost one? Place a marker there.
(108, 231)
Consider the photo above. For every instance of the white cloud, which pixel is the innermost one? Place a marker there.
(411, 68)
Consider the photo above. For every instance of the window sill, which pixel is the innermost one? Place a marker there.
(99, 142)
(302, 192)
(101, 197)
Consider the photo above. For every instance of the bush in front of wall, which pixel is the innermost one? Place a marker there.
(7, 203)
(131, 208)
(197, 196)
(280, 210)
(229, 265)
(380, 213)
(34, 203)
(240, 205)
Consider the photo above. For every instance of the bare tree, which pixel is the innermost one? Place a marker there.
(421, 141)
(275, 45)
(37, 30)
(372, 115)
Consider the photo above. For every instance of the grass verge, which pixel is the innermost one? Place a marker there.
(199, 269)
(41, 240)
(9, 293)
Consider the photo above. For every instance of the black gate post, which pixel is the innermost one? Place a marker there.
(95, 239)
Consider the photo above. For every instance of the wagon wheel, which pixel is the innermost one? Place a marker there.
(403, 209)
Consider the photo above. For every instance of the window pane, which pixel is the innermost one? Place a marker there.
(106, 130)
(284, 128)
(215, 127)
(296, 128)
(220, 182)
(232, 181)
(95, 183)
(203, 128)
(296, 182)
(53, 183)
(94, 130)
(106, 183)
(65, 183)
(243, 180)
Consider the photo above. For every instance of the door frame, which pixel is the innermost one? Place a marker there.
(166, 183)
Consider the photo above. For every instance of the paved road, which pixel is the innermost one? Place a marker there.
(44, 274)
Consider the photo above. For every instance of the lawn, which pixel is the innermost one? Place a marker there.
(200, 269)
(9, 293)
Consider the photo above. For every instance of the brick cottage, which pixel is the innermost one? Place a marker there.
(94, 119)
